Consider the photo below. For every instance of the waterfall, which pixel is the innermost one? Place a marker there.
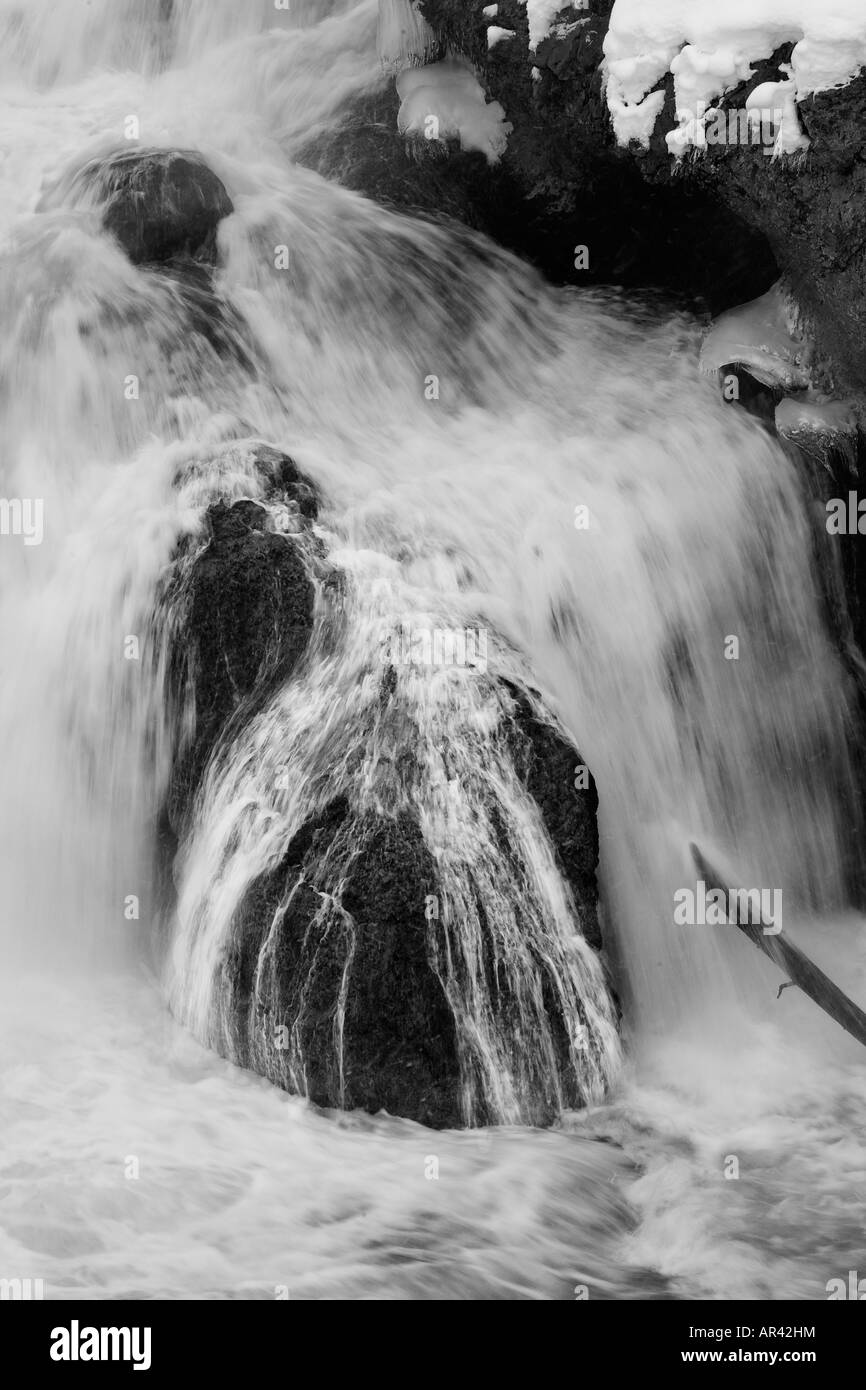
(573, 485)
(547, 404)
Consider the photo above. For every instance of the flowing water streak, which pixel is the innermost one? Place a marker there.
(547, 402)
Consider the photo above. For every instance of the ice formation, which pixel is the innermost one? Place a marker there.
(445, 101)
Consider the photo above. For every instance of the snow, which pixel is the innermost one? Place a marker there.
(633, 122)
(495, 35)
(778, 100)
(445, 101)
(541, 14)
(770, 119)
(709, 46)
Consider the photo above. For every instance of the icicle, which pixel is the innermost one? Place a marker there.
(405, 38)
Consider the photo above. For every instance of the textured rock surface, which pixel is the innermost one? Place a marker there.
(160, 204)
(547, 766)
(338, 977)
(250, 606)
(338, 949)
(359, 977)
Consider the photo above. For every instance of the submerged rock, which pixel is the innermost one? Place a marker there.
(160, 204)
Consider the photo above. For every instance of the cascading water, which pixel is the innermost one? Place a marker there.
(459, 508)
(432, 752)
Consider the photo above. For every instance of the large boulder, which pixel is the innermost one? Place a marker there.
(379, 960)
(161, 205)
(346, 978)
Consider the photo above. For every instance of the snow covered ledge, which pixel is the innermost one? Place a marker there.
(709, 47)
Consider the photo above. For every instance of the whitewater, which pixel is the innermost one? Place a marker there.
(134, 1161)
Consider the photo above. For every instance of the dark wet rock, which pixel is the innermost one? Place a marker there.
(359, 972)
(164, 208)
(160, 204)
(287, 480)
(251, 611)
(248, 617)
(552, 771)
